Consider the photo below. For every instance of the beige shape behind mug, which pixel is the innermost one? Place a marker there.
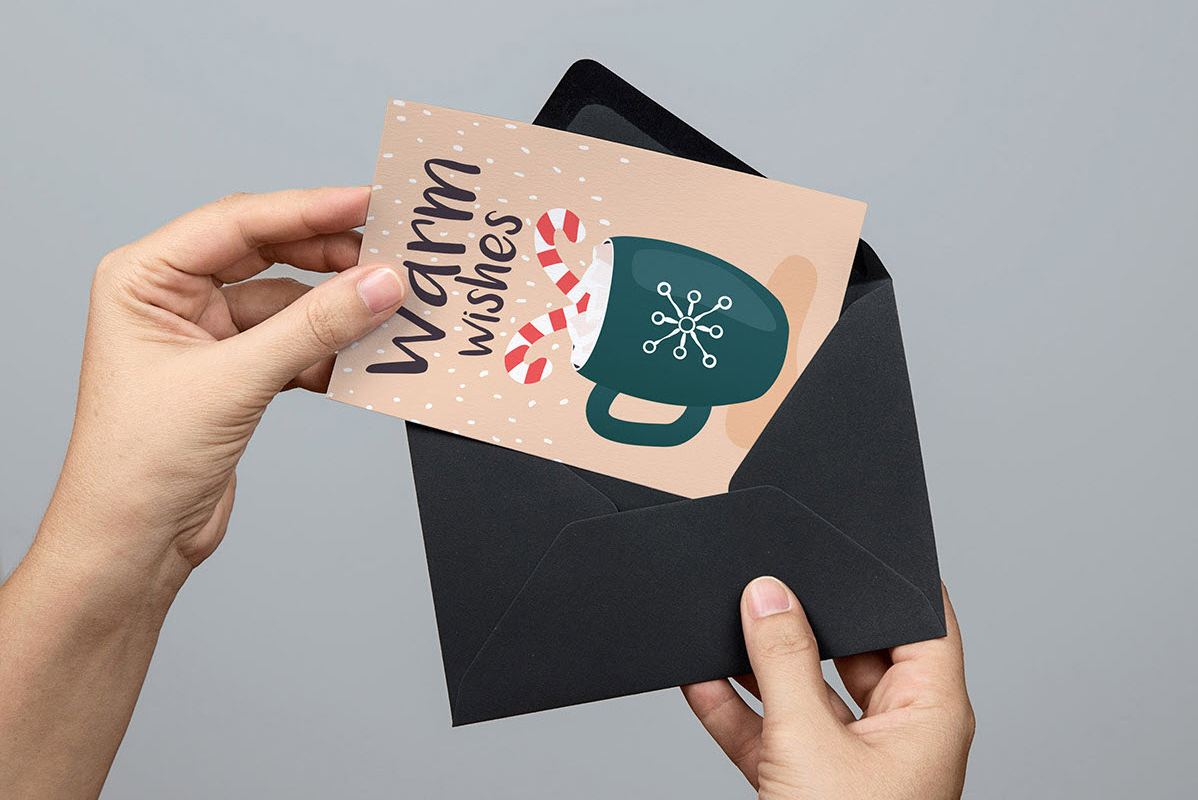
(793, 283)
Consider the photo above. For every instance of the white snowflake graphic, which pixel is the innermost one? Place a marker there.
(686, 325)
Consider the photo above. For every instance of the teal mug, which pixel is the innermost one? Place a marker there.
(683, 328)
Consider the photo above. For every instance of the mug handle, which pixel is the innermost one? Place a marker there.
(650, 434)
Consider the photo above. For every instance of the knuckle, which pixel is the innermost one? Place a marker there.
(323, 323)
(291, 283)
(115, 272)
(112, 262)
(231, 199)
(787, 644)
(742, 750)
(340, 251)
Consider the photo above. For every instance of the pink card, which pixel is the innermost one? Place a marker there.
(613, 308)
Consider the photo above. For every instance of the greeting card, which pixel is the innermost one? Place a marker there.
(620, 310)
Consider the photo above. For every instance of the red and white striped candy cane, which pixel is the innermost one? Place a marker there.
(532, 332)
(552, 221)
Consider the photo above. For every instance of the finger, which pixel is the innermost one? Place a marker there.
(315, 378)
(861, 673)
(735, 727)
(253, 302)
(840, 709)
(950, 621)
(937, 667)
(218, 235)
(941, 657)
(315, 326)
(331, 252)
(784, 655)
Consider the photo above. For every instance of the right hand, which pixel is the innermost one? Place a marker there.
(911, 742)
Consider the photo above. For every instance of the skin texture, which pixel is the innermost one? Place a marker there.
(910, 743)
(183, 353)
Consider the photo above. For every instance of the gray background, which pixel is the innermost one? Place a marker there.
(1030, 172)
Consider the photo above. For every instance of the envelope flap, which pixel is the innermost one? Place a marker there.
(592, 100)
(626, 495)
(488, 516)
(647, 599)
(845, 442)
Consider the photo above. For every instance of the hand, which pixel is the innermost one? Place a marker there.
(181, 357)
(183, 354)
(911, 742)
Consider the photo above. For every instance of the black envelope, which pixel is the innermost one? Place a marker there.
(554, 585)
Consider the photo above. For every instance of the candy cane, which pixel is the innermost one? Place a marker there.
(552, 221)
(530, 333)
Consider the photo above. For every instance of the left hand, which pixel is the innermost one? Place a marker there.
(182, 355)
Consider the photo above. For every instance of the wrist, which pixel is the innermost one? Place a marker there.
(79, 621)
(114, 576)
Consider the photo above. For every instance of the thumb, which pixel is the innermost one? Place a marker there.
(322, 321)
(784, 655)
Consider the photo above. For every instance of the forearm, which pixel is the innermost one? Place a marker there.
(182, 355)
(78, 627)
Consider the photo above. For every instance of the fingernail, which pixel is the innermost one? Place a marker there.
(381, 289)
(767, 596)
